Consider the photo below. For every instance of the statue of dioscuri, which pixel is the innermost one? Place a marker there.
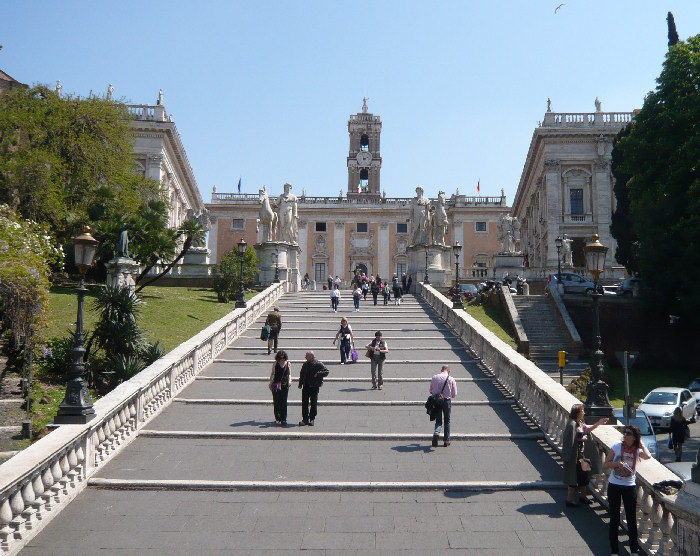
(439, 220)
(203, 220)
(568, 256)
(420, 217)
(267, 217)
(509, 234)
(287, 219)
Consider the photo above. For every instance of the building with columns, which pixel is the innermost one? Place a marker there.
(366, 230)
(160, 155)
(566, 188)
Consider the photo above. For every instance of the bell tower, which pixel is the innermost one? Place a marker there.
(364, 160)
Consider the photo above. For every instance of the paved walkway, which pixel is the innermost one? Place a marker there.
(213, 474)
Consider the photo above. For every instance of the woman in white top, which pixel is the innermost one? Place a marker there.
(335, 298)
(356, 296)
(622, 459)
(347, 339)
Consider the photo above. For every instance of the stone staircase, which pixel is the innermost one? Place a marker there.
(547, 336)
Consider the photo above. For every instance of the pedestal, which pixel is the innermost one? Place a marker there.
(121, 272)
(195, 263)
(440, 271)
(508, 263)
(687, 515)
(286, 257)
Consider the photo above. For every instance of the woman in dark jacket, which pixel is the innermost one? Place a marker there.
(678, 428)
(280, 381)
(575, 434)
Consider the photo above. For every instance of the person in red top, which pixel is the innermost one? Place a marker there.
(443, 383)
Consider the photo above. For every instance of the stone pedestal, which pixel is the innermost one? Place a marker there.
(508, 263)
(440, 272)
(121, 272)
(686, 511)
(286, 256)
(195, 263)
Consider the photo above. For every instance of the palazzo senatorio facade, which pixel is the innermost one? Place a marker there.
(362, 229)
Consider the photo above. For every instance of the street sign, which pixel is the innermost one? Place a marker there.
(631, 358)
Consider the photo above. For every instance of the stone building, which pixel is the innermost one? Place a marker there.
(8, 82)
(364, 230)
(566, 188)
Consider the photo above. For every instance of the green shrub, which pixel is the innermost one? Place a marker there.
(54, 360)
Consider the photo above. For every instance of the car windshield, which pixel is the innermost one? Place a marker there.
(640, 421)
(661, 398)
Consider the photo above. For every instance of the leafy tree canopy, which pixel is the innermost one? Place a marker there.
(661, 157)
(66, 161)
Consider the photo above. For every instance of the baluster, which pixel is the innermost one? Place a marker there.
(57, 475)
(5, 520)
(38, 486)
(72, 459)
(666, 525)
(65, 468)
(29, 513)
(655, 534)
(17, 507)
(645, 518)
(48, 480)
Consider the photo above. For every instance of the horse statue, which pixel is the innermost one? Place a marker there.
(267, 217)
(439, 220)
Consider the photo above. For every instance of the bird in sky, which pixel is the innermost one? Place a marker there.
(559, 6)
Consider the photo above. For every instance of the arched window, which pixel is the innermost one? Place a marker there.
(364, 178)
(364, 143)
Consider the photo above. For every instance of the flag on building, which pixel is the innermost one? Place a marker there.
(358, 189)
(478, 186)
(239, 185)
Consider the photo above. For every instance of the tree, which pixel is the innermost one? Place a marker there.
(621, 226)
(66, 160)
(672, 33)
(661, 156)
(227, 276)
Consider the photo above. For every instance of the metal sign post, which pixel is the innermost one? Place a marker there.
(627, 358)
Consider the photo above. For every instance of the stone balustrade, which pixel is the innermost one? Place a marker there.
(587, 119)
(548, 404)
(38, 482)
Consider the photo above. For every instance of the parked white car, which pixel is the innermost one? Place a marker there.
(641, 421)
(694, 387)
(660, 403)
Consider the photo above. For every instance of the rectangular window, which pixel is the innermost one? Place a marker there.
(401, 228)
(320, 272)
(480, 226)
(320, 226)
(576, 201)
(362, 227)
(238, 224)
(400, 269)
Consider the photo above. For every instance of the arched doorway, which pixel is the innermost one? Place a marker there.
(361, 268)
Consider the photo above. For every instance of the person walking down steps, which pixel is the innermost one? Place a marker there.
(377, 350)
(335, 298)
(347, 340)
(274, 321)
(310, 382)
(280, 381)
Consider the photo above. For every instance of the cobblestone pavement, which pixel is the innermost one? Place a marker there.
(214, 474)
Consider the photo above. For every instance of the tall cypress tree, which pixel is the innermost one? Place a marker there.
(672, 33)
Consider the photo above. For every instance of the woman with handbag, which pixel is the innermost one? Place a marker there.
(346, 339)
(280, 381)
(576, 466)
(376, 351)
(678, 432)
(622, 459)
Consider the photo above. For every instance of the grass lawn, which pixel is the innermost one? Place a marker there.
(643, 380)
(495, 321)
(169, 315)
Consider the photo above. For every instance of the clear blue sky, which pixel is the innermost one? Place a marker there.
(262, 90)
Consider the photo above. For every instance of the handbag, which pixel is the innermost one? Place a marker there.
(354, 356)
(369, 354)
(686, 431)
(435, 402)
(670, 442)
(265, 333)
(276, 387)
(585, 464)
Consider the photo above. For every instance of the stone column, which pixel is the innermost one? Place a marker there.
(338, 250)
(602, 210)
(383, 251)
(212, 239)
(553, 189)
(303, 242)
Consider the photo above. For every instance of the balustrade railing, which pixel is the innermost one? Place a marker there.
(460, 200)
(38, 482)
(548, 404)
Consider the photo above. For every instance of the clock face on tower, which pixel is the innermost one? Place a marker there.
(364, 158)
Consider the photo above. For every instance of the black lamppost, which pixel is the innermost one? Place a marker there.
(558, 242)
(76, 407)
(426, 279)
(597, 403)
(277, 272)
(457, 297)
(240, 302)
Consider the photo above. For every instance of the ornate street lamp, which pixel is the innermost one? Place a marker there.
(426, 279)
(597, 403)
(240, 302)
(277, 272)
(457, 297)
(76, 407)
(558, 242)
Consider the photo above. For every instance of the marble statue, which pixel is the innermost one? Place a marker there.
(509, 234)
(203, 220)
(420, 217)
(598, 105)
(287, 215)
(110, 92)
(549, 105)
(567, 257)
(59, 88)
(160, 97)
(267, 217)
(439, 220)
(123, 245)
